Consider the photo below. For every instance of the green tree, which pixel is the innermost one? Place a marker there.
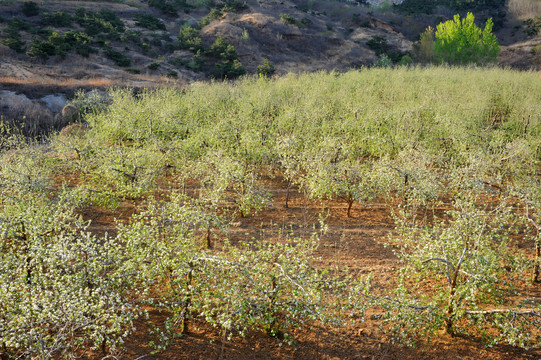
(462, 42)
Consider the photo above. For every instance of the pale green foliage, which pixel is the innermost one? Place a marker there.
(468, 251)
(192, 161)
(462, 42)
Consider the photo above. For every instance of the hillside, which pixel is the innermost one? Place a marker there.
(101, 43)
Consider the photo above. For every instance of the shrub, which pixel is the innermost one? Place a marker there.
(266, 69)
(189, 38)
(383, 61)
(288, 19)
(57, 19)
(119, 58)
(110, 19)
(153, 65)
(533, 25)
(41, 49)
(462, 42)
(378, 44)
(229, 69)
(196, 63)
(30, 8)
(79, 42)
(132, 71)
(105, 21)
(172, 74)
(222, 49)
(14, 44)
(148, 21)
(405, 60)
(425, 49)
(214, 14)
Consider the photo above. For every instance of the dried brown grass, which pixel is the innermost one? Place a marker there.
(524, 9)
(70, 82)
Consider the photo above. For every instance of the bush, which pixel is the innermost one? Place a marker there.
(189, 38)
(533, 25)
(214, 14)
(288, 19)
(229, 69)
(149, 21)
(79, 42)
(222, 49)
(132, 71)
(378, 44)
(57, 19)
(14, 44)
(463, 42)
(266, 69)
(196, 63)
(381, 47)
(30, 8)
(110, 20)
(41, 49)
(172, 74)
(104, 21)
(425, 48)
(383, 61)
(119, 58)
(153, 65)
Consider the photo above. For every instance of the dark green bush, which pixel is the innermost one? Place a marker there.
(62, 47)
(132, 71)
(30, 8)
(14, 44)
(197, 62)
(378, 44)
(41, 49)
(17, 25)
(153, 65)
(109, 17)
(172, 74)
(214, 14)
(533, 25)
(222, 49)
(381, 47)
(79, 42)
(119, 58)
(43, 33)
(148, 21)
(104, 21)
(189, 38)
(57, 19)
(229, 69)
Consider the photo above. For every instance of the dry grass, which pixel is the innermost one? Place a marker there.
(95, 82)
(524, 9)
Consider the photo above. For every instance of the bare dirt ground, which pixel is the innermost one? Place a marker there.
(357, 243)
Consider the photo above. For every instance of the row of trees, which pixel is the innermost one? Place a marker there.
(460, 178)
